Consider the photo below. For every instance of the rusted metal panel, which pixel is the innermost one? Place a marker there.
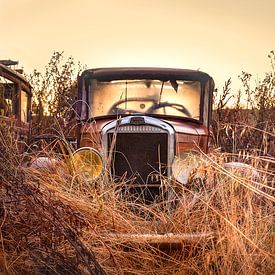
(168, 238)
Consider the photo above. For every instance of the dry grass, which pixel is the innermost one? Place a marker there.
(56, 222)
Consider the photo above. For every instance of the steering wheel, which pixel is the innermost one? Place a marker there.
(175, 106)
(115, 110)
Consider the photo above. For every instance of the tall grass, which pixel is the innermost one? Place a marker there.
(54, 221)
(248, 123)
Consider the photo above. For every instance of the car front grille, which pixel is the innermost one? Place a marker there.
(141, 159)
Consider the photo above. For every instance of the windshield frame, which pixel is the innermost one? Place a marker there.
(107, 74)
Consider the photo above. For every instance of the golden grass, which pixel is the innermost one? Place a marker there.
(56, 222)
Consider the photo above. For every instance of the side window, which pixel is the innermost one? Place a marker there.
(2, 102)
(206, 105)
(7, 97)
(24, 106)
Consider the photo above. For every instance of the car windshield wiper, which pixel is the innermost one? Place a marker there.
(161, 89)
(174, 84)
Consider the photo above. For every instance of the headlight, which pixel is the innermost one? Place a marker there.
(88, 161)
(184, 164)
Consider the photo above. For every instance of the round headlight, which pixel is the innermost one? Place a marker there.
(184, 164)
(88, 161)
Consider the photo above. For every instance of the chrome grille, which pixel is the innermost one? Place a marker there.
(140, 153)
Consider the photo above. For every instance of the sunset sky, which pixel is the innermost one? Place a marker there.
(219, 37)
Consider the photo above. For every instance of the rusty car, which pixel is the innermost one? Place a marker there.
(15, 101)
(138, 122)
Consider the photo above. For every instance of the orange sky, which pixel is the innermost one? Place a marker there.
(220, 37)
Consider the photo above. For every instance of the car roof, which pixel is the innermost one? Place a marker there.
(15, 77)
(146, 73)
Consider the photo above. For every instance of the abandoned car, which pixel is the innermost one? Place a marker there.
(15, 101)
(137, 122)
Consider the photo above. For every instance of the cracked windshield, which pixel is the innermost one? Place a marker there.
(146, 96)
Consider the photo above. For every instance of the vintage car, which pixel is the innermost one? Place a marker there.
(137, 122)
(15, 101)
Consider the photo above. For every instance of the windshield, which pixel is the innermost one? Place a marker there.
(147, 96)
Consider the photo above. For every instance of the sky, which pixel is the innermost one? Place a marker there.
(220, 37)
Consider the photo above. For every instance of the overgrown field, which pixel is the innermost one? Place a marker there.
(54, 221)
